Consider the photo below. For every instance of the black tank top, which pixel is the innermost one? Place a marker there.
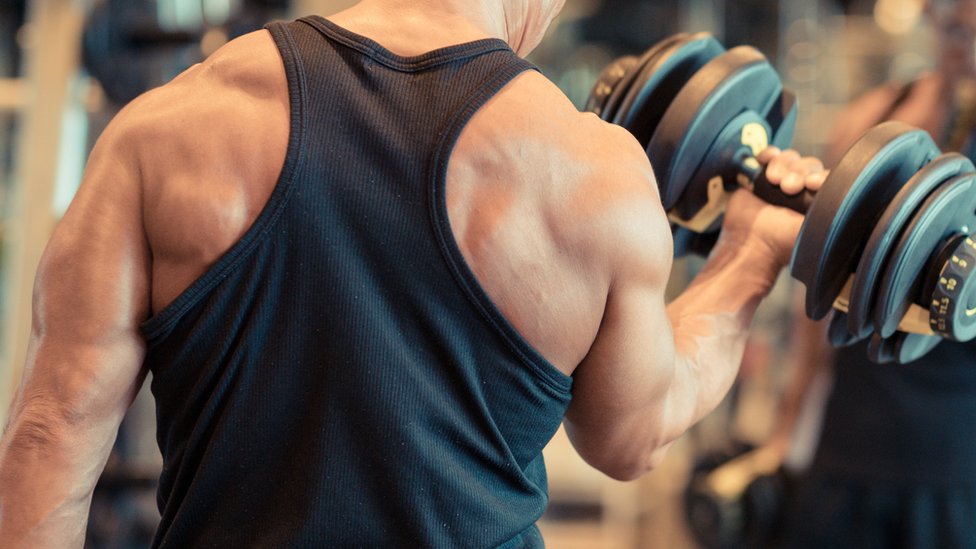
(339, 378)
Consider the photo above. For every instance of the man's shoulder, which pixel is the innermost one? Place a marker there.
(594, 173)
(239, 75)
(235, 100)
(535, 106)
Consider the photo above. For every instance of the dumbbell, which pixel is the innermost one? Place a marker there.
(735, 500)
(886, 244)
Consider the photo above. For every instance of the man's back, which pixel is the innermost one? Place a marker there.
(548, 247)
(532, 191)
(313, 337)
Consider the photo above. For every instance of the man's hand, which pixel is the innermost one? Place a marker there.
(751, 222)
(792, 172)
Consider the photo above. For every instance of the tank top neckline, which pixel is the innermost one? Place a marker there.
(412, 63)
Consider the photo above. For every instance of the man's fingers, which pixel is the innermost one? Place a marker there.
(816, 180)
(768, 154)
(792, 172)
(779, 166)
(797, 173)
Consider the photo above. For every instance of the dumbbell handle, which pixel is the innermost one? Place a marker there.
(754, 179)
(749, 174)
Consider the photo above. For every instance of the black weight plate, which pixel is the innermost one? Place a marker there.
(837, 333)
(900, 348)
(739, 80)
(607, 82)
(933, 271)
(851, 200)
(881, 350)
(721, 161)
(953, 303)
(886, 233)
(616, 97)
(949, 209)
(659, 81)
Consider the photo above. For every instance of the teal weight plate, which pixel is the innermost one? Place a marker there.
(888, 230)
(848, 205)
(737, 81)
(900, 348)
(660, 79)
(949, 210)
(837, 333)
(620, 90)
(607, 82)
(688, 242)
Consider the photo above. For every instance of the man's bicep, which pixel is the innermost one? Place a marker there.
(620, 386)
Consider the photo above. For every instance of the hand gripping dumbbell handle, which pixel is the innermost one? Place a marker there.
(754, 178)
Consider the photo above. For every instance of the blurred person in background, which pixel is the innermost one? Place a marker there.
(895, 463)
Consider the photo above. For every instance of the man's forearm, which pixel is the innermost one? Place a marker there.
(710, 322)
(45, 484)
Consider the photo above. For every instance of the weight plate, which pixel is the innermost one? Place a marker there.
(702, 204)
(848, 205)
(887, 231)
(616, 97)
(705, 196)
(881, 350)
(900, 348)
(953, 304)
(737, 81)
(911, 347)
(950, 209)
(607, 82)
(937, 262)
(782, 119)
(659, 81)
(837, 333)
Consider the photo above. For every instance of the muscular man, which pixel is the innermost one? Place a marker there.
(895, 464)
(372, 263)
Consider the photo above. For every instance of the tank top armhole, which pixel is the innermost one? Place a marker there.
(539, 365)
(156, 328)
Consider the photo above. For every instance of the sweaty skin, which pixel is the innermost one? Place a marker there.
(556, 212)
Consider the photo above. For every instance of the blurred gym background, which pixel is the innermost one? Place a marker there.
(67, 66)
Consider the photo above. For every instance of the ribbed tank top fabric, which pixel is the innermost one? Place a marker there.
(339, 378)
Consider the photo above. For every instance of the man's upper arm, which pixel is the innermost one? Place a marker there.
(90, 295)
(620, 387)
(84, 360)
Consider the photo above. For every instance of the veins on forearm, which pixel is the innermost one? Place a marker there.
(709, 348)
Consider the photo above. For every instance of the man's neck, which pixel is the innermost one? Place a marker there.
(413, 27)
